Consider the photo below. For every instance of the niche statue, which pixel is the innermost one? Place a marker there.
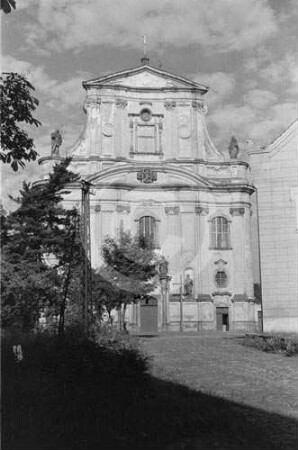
(163, 268)
(188, 286)
(56, 141)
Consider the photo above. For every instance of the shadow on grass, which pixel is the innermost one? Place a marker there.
(78, 396)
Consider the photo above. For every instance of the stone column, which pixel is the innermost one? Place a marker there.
(120, 144)
(249, 289)
(170, 136)
(93, 123)
(202, 212)
(164, 289)
(238, 243)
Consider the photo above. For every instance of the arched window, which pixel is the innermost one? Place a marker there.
(220, 233)
(147, 230)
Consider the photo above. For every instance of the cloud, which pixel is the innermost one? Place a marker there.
(278, 71)
(282, 73)
(35, 74)
(221, 85)
(259, 98)
(248, 123)
(69, 92)
(260, 55)
(225, 25)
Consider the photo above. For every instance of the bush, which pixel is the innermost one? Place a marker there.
(288, 346)
(52, 394)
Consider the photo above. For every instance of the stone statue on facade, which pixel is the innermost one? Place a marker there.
(188, 286)
(163, 268)
(56, 141)
(234, 148)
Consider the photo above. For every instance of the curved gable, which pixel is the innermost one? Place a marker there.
(156, 174)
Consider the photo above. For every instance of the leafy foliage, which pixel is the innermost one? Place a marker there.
(288, 346)
(17, 106)
(6, 5)
(129, 272)
(40, 249)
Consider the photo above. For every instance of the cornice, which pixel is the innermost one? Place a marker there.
(249, 189)
(144, 89)
(117, 159)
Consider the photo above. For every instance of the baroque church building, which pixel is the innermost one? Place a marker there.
(153, 169)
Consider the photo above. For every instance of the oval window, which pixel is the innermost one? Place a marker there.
(145, 115)
(221, 279)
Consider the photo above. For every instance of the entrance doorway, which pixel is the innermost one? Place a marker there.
(222, 319)
(149, 316)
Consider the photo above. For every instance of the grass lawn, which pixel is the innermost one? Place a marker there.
(219, 366)
(75, 396)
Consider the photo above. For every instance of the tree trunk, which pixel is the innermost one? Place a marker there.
(66, 286)
(123, 324)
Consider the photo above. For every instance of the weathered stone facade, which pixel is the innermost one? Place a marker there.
(275, 174)
(146, 151)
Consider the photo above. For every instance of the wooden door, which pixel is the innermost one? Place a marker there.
(149, 316)
(222, 319)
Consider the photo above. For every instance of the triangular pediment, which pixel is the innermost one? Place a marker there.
(145, 77)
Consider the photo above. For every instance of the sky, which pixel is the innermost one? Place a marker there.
(245, 50)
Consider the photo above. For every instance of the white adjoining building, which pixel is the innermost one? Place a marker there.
(154, 170)
(275, 175)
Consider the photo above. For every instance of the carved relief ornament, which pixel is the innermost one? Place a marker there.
(202, 210)
(170, 104)
(123, 208)
(172, 210)
(237, 211)
(121, 103)
(147, 176)
(220, 264)
(200, 105)
(92, 100)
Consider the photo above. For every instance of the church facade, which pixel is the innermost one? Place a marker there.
(153, 169)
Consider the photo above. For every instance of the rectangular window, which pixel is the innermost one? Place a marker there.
(146, 135)
(147, 229)
(220, 233)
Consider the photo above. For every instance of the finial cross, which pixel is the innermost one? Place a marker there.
(144, 44)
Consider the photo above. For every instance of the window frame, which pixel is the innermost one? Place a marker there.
(220, 233)
(152, 223)
(226, 279)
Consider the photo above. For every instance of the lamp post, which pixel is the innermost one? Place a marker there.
(181, 303)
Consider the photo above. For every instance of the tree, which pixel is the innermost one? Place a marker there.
(17, 106)
(129, 272)
(41, 248)
(26, 289)
(6, 5)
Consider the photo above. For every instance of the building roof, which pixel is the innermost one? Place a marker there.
(154, 78)
(279, 140)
